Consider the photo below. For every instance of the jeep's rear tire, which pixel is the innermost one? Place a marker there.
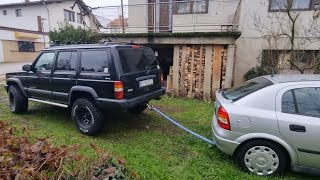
(138, 109)
(18, 101)
(87, 116)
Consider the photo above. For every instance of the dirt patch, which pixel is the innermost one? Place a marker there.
(2, 79)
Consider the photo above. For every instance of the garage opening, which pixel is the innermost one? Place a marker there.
(164, 55)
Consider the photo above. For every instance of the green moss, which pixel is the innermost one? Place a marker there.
(235, 34)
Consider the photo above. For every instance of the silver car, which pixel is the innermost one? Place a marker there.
(270, 124)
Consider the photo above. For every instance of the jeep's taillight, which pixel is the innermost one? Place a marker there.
(118, 90)
(135, 46)
(223, 119)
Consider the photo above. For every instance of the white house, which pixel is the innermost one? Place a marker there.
(267, 14)
(24, 26)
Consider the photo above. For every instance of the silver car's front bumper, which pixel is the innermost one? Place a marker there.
(220, 136)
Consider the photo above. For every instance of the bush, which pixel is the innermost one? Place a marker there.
(21, 159)
(256, 72)
(67, 33)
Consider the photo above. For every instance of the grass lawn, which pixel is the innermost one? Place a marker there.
(152, 147)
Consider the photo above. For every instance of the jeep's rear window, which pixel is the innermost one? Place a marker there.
(137, 59)
(246, 88)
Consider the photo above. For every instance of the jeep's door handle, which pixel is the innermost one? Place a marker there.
(297, 128)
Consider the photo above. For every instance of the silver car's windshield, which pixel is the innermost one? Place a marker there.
(246, 88)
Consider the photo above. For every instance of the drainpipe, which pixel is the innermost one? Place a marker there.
(45, 5)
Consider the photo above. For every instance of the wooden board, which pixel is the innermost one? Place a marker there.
(216, 68)
(176, 71)
(207, 74)
(191, 73)
(183, 68)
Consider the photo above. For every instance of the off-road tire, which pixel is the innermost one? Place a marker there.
(95, 126)
(281, 155)
(137, 109)
(18, 101)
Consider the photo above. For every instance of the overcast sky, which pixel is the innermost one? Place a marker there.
(93, 3)
(108, 13)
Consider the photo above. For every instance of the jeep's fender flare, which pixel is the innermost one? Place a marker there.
(18, 82)
(82, 89)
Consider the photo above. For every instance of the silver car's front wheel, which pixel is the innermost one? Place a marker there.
(262, 158)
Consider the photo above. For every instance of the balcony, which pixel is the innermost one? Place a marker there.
(168, 16)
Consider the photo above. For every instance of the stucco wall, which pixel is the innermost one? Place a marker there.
(1, 52)
(138, 16)
(251, 43)
(219, 13)
(11, 52)
(27, 21)
(56, 15)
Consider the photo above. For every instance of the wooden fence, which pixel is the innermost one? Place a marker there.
(197, 71)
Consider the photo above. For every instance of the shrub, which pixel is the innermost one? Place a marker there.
(67, 33)
(256, 72)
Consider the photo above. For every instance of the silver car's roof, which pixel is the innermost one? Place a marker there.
(284, 78)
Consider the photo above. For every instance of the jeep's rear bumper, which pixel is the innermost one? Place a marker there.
(125, 104)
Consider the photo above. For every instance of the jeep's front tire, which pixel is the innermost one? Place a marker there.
(18, 101)
(87, 117)
(137, 109)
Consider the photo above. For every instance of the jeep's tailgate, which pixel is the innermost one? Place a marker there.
(141, 71)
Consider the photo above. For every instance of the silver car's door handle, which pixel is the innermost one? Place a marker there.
(297, 128)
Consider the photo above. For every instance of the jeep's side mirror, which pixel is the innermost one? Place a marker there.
(27, 68)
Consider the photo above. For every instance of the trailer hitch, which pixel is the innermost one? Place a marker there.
(152, 108)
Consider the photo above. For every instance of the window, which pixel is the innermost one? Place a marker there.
(279, 5)
(45, 62)
(137, 59)
(67, 61)
(305, 101)
(69, 16)
(246, 88)
(25, 46)
(18, 13)
(316, 4)
(192, 6)
(94, 61)
(288, 105)
(79, 18)
(5, 12)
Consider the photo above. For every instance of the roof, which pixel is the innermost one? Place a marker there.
(118, 22)
(284, 78)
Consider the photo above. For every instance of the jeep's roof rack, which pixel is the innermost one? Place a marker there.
(108, 42)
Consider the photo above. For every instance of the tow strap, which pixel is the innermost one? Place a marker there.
(152, 108)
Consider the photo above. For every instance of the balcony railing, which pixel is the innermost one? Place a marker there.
(169, 16)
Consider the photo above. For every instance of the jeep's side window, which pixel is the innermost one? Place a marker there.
(45, 62)
(67, 61)
(94, 61)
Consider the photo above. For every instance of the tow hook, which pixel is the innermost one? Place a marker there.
(152, 108)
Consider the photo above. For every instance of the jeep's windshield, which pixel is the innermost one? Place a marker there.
(137, 59)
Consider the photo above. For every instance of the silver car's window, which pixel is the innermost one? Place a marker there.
(246, 88)
(303, 101)
(288, 105)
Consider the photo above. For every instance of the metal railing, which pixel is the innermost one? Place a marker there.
(170, 16)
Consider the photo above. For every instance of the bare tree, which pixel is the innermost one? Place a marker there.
(289, 34)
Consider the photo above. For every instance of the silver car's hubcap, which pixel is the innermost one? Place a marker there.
(261, 160)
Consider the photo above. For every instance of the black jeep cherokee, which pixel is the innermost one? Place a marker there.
(88, 79)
